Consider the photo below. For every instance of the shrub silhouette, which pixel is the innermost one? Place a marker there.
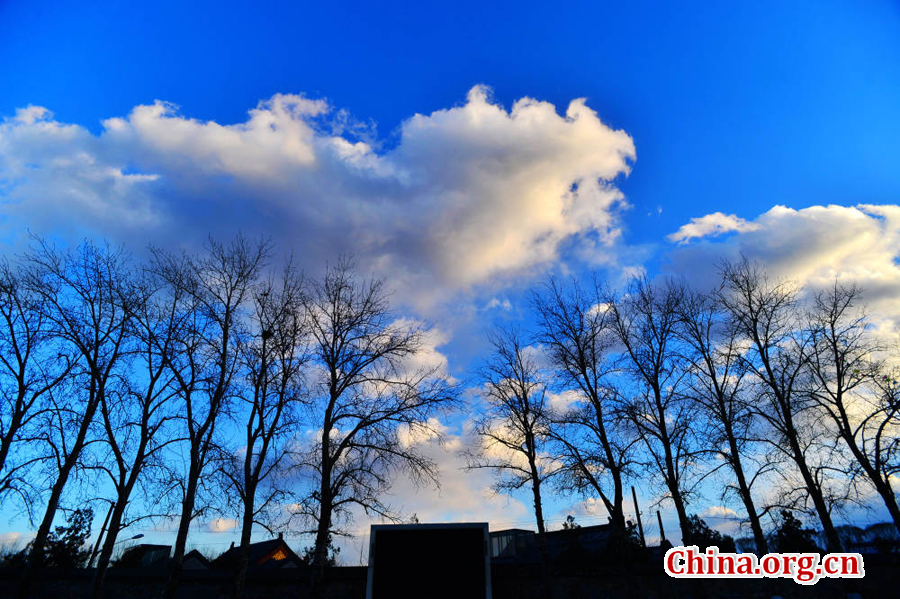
(701, 535)
(65, 547)
(791, 537)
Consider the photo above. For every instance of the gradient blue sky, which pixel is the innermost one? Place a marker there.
(735, 108)
(739, 105)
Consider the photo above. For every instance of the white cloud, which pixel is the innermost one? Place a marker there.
(463, 496)
(14, 541)
(428, 358)
(711, 225)
(814, 246)
(415, 434)
(723, 519)
(496, 303)
(466, 195)
(720, 512)
(221, 525)
(560, 402)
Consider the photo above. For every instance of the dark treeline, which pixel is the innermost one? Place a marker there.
(191, 385)
(226, 383)
(782, 395)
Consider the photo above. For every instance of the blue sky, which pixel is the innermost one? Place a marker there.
(764, 103)
(692, 109)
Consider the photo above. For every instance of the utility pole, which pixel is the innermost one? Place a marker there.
(662, 532)
(637, 512)
(100, 536)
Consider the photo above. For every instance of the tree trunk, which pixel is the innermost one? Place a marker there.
(671, 478)
(36, 556)
(890, 501)
(40, 538)
(546, 578)
(618, 512)
(683, 521)
(677, 499)
(187, 512)
(118, 513)
(6, 442)
(109, 545)
(320, 554)
(881, 485)
(744, 490)
(832, 539)
(240, 576)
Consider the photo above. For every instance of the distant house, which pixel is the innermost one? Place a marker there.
(273, 553)
(512, 543)
(519, 545)
(145, 556)
(875, 538)
(194, 560)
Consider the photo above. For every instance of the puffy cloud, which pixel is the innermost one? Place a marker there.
(814, 246)
(221, 525)
(563, 400)
(497, 304)
(591, 508)
(410, 435)
(55, 177)
(710, 225)
(14, 541)
(463, 496)
(428, 358)
(721, 512)
(723, 519)
(465, 195)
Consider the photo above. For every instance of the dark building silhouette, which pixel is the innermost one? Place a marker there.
(194, 560)
(145, 555)
(516, 545)
(438, 561)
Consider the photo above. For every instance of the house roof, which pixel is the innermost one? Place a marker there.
(271, 553)
(194, 554)
(508, 530)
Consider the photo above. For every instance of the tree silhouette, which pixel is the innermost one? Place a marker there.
(791, 537)
(646, 321)
(211, 291)
(589, 437)
(701, 535)
(367, 390)
(768, 316)
(514, 430)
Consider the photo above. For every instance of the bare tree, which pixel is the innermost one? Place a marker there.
(366, 392)
(514, 430)
(767, 315)
(645, 321)
(137, 412)
(211, 291)
(31, 364)
(89, 307)
(593, 445)
(717, 382)
(879, 433)
(842, 365)
(273, 362)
